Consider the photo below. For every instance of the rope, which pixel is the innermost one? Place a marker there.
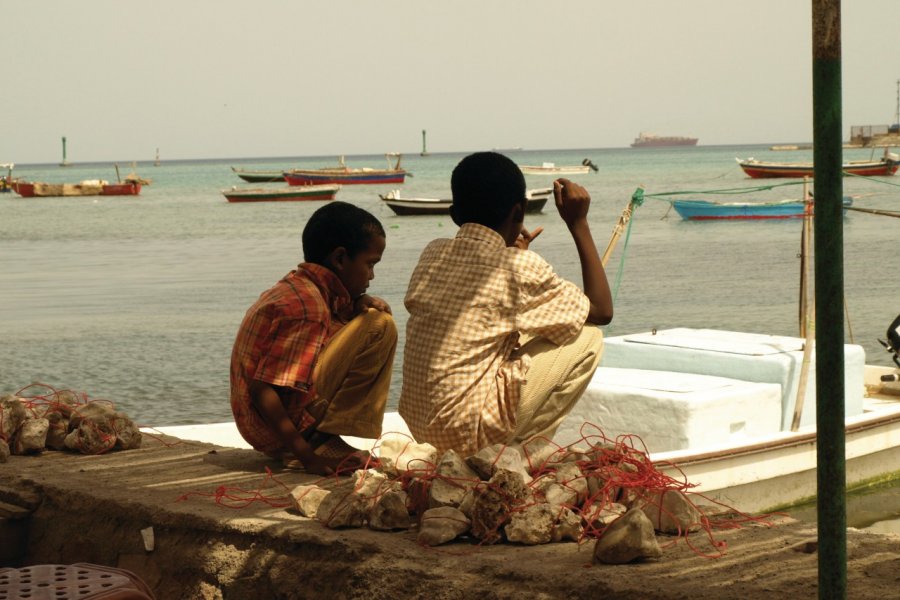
(873, 211)
(872, 179)
(723, 191)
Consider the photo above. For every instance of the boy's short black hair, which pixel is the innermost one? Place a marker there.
(485, 186)
(338, 224)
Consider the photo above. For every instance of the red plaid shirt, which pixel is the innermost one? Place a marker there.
(279, 342)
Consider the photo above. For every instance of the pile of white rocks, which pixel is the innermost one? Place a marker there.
(63, 421)
(529, 495)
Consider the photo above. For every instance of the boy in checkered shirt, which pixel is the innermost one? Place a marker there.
(498, 346)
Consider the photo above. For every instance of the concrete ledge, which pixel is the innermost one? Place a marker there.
(92, 509)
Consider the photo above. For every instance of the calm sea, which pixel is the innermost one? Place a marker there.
(137, 299)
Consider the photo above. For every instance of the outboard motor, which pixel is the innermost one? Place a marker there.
(589, 163)
(892, 345)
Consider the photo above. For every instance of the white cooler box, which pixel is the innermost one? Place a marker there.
(746, 356)
(672, 411)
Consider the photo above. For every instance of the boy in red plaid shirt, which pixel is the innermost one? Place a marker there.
(313, 356)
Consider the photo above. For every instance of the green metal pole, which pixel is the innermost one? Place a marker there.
(829, 280)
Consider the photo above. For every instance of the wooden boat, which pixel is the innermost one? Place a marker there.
(345, 175)
(282, 194)
(886, 165)
(258, 176)
(435, 206)
(91, 187)
(703, 210)
(549, 168)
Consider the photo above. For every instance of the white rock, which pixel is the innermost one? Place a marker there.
(390, 512)
(407, 455)
(569, 476)
(531, 526)
(559, 496)
(306, 499)
(453, 479)
(441, 525)
(343, 507)
(629, 538)
(488, 460)
(601, 514)
(32, 436)
(672, 512)
(568, 527)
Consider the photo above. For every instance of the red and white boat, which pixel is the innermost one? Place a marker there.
(886, 165)
(90, 187)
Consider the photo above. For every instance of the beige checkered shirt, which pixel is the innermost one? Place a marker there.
(469, 299)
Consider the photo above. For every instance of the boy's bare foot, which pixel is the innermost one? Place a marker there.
(348, 458)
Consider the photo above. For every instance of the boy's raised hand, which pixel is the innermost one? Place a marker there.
(572, 201)
(526, 237)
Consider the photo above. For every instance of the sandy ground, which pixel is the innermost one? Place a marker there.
(92, 509)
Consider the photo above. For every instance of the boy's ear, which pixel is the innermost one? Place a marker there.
(518, 211)
(453, 215)
(337, 258)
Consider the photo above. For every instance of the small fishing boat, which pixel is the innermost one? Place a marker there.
(886, 165)
(345, 175)
(716, 409)
(282, 194)
(89, 187)
(259, 176)
(549, 168)
(436, 206)
(704, 210)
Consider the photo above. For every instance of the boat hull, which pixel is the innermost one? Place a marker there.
(537, 170)
(781, 472)
(319, 177)
(759, 170)
(700, 210)
(50, 190)
(289, 194)
(536, 200)
(259, 176)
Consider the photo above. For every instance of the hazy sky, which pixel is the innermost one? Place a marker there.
(229, 78)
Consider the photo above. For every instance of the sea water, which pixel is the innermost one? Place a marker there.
(137, 299)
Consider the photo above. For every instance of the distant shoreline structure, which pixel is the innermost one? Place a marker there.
(648, 140)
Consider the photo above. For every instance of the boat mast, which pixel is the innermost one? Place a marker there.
(64, 163)
(424, 151)
(897, 114)
(831, 503)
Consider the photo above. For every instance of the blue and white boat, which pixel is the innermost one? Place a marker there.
(704, 210)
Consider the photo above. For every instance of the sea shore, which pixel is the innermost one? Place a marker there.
(93, 509)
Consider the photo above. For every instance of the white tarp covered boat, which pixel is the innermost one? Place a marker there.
(716, 406)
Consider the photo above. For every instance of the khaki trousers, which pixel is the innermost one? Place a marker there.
(556, 379)
(352, 375)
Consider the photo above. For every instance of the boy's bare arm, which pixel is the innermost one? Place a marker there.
(270, 406)
(572, 202)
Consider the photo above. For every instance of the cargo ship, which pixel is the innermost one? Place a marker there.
(648, 140)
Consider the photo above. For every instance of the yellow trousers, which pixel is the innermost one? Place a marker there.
(556, 379)
(353, 373)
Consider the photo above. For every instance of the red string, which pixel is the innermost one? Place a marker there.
(236, 497)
